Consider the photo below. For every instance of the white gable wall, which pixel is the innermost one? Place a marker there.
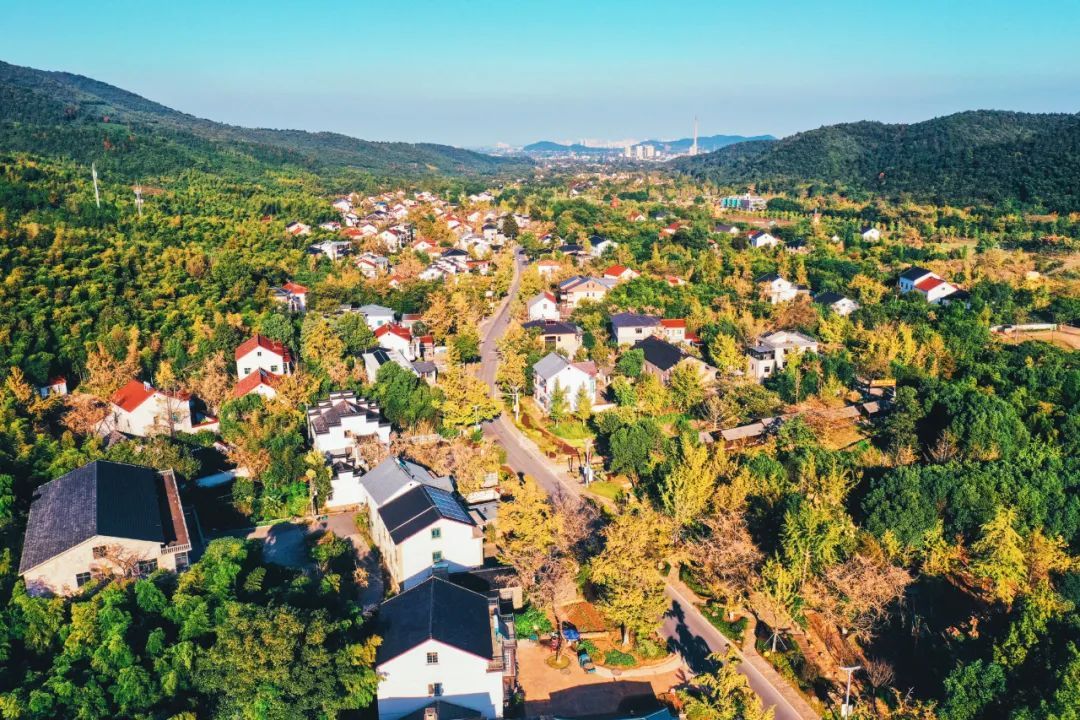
(404, 681)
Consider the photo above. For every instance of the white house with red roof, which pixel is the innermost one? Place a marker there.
(673, 330)
(620, 273)
(260, 352)
(425, 246)
(56, 386)
(298, 228)
(930, 285)
(395, 337)
(139, 409)
(292, 295)
(260, 382)
(543, 307)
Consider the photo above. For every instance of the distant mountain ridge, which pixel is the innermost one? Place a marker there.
(975, 156)
(705, 144)
(85, 119)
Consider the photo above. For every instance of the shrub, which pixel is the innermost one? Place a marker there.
(650, 649)
(533, 622)
(618, 658)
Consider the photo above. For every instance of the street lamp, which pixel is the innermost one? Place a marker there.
(845, 711)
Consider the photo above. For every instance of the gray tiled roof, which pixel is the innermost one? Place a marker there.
(419, 508)
(550, 365)
(387, 478)
(436, 609)
(99, 498)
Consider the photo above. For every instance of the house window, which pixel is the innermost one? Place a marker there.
(436, 533)
(100, 551)
(434, 689)
(82, 578)
(247, 371)
(436, 557)
(433, 658)
(183, 561)
(273, 368)
(146, 567)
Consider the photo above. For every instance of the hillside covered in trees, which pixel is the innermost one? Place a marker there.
(978, 156)
(83, 119)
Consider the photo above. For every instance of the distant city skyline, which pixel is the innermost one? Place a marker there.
(486, 72)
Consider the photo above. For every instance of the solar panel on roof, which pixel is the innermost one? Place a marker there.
(447, 505)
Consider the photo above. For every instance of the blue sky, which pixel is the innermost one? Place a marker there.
(478, 72)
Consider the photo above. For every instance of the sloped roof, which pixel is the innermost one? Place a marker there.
(294, 288)
(550, 365)
(552, 327)
(132, 395)
(629, 320)
(419, 508)
(928, 284)
(673, 322)
(914, 272)
(436, 609)
(828, 298)
(253, 380)
(387, 478)
(261, 341)
(660, 353)
(402, 332)
(101, 498)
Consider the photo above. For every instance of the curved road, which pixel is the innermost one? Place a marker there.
(690, 632)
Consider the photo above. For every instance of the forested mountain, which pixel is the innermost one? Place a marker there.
(705, 144)
(973, 156)
(60, 113)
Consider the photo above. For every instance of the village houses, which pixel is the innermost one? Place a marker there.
(554, 373)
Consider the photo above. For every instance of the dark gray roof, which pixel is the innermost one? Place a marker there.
(914, 273)
(660, 353)
(828, 298)
(444, 711)
(391, 475)
(424, 367)
(419, 508)
(629, 319)
(436, 609)
(341, 404)
(552, 327)
(100, 498)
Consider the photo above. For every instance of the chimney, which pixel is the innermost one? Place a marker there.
(431, 713)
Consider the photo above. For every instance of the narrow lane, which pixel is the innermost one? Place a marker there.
(689, 631)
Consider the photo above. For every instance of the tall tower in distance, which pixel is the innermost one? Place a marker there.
(693, 148)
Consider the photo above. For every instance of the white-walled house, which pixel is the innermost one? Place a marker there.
(55, 386)
(376, 315)
(839, 304)
(261, 353)
(762, 239)
(870, 233)
(554, 372)
(628, 328)
(422, 528)
(338, 422)
(930, 285)
(292, 295)
(578, 289)
(387, 481)
(259, 382)
(543, 307)
(776, 289)
(139, 409)
(103, 519)
(443, 643)
(396, 337)
(772, 351)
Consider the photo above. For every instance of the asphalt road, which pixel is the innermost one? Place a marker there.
(689, 631)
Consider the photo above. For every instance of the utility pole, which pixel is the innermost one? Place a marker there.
(138, 199)
(97, 195)
(845, 711)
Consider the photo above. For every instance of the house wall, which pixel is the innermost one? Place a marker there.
(465, 679)
(543, 310)
(151, 417)
(410, 561)
(261, 358)
(57, 575)
(570, 379)
(630, 335)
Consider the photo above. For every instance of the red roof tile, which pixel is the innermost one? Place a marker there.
(136, 392)
(673, 323)
(929, 283)
(254, 380)
(266, 344)
(294, 288)
(402, 332)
